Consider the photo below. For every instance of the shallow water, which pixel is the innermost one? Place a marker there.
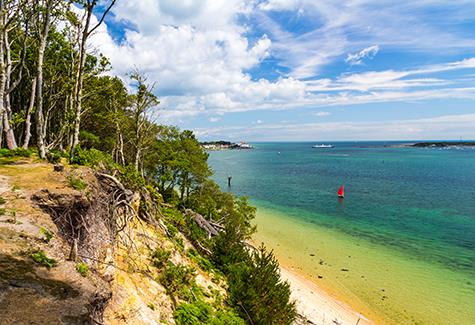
(407, 221)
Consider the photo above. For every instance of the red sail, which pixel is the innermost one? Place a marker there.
(341, 191)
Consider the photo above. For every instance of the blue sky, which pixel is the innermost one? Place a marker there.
(301, 69)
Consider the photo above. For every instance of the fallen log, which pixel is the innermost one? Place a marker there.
(203, 223)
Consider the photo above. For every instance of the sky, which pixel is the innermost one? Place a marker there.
(293, 70)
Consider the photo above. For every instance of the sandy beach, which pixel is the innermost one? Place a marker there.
(318, 306)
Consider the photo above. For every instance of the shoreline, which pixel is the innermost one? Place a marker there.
(315, 304)
(351, 276)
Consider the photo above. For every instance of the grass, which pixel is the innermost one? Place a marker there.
(48, 235)
(76, 182)
(41, 258)
(82, 269)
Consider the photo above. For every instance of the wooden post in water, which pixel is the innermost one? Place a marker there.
(229, 180)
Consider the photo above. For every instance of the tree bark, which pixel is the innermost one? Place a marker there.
(80, 79)
(9, 134)
(40, 119)
(27, 137)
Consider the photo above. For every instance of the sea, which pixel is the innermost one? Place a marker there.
(400, 247)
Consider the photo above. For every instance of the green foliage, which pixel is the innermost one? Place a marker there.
(54, 156)
(2, 200)
(256, 288)
(76, 182)
(93, 158)
(160, 257)
(47, 235)
(177, 279)
(204, 263)
(151, 305)
(2, 211)
(41, 258)
(201, 313)
(82, 269)
(18, 152)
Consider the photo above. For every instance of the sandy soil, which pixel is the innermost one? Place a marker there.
(317, 306)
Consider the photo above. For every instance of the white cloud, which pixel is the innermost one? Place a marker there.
(322, 113)
(200, 53)
(448, 126)
(367, 53)
(279, 5)
(214, 119)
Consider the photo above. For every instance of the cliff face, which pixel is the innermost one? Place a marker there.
(108, 278)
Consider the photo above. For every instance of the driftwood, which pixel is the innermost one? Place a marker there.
(203, 223)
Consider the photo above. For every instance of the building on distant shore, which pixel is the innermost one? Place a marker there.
(221, 145)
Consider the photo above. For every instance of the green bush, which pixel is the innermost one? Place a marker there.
(160, 257)
(177, 279)
(2, 200)
(201, 313)
(257, 291)
(18, 152)
(48, 235)
(93, 158)
(203, 262)
(82, 269)
(54, 156)
(193, 314)
(76, 182)
(41, 258)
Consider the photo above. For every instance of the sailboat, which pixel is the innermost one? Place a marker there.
(341, 191)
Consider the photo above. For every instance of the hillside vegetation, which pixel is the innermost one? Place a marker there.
(129, 228)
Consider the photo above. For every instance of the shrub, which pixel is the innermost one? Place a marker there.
(203, 262)
(160, 257)
(41, 258)
(82, 269)
(18, 152)
(48, 235)
(193, 314)
(76, 182)
(93, 158)
(2, 200)
(255, 289)
(54, 156)
(177, 279)
(201, 313)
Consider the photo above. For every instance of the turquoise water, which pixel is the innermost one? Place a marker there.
(418, 201)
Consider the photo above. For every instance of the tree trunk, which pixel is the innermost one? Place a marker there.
(5, 124)
(9, 134)
(40, 119)
(26, 141)
(80, 80)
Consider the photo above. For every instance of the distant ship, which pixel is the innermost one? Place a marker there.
(322, 146)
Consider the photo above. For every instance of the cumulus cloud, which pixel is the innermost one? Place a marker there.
(200, 53)
(449, 126)
(358, 58)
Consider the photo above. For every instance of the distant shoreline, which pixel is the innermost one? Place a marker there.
(443, 144)
(225, 145)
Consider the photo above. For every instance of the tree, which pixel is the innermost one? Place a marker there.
(8, 17)
(256, 289)
(85, 31)
(143, 130)
(44, 14)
